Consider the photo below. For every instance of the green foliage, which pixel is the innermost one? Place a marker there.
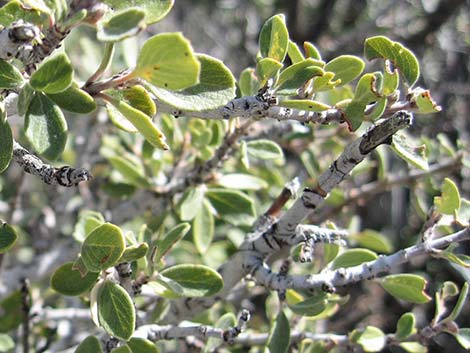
(54, 75)
(154, 10)
(274, 38)
(121, 25)
(407, 287)
(89, 344)
(12, 311)
(449, 201)
(74, 99)
(372, 339)
(353, 257)
(279, 337)
(6, 343)
(6, 140)
(8, 237)
(406, 326)
(67, 281)
(10, 76)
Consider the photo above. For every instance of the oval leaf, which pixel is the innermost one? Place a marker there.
(406, 326)
(449, 201)
(345, 67)
(45, 127)
(374, 241)
(264, 149)
(142, 345)
(406, 287)
(414, 155)
(155, 10)
(279, 337)
(242, 182)
(119, 26)
(353, 257)
(311, 306)
(195, 280)
(293, 77)
(8, 237)
(169, 239)
(305, 104)
(190, 203)
(6, 141)
(225, 322)
(11, 308)
(6, 343)
(103, 247)
(232, 205)
(134, 252)
(203, 227)
(215, 88)
(463, 337)
(274, 38)
(167, 60)
(74, 100)
(10, 76)
(90, 344)
(68, 281)
(267, 68)
(372, 339)
(54, 75)
(116, 312)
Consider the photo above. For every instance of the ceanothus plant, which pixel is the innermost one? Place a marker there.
(184, 227)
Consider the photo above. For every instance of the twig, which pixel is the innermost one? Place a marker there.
(63, 176)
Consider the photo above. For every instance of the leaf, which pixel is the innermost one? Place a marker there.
(248, 82)
(242, 182)
(10, 76)
(406, 326)
(267, 68)
(216, 86)
(225, 322)
(116, 312)
(74, 100)
(279, 337)
(311, 51)
(155, 10)
(414, 155)
(121, 25)
(305, 104)
(143, 124)
(232, 205)
(190, 203)
(345, 67)
(353, 257)
(11, 308)
(309, 307)
(6, 343)
(67, 281)
(373, 240)
(264, 149)
(401, 57)
(195, 280)
(295, 55)
(449, 201)
(169, 239)
(130, 168)
(203, 227)
(459, 305)
(103, 247)
(24, 98)
(167, 60)
(45, 127)
(87, 221)
(293, 77)
(274, 38)
(406, 287)
(413, 347)
(134, 252)
(139, 98)
(8, 237)
(423, 101)
(463, 337)
(15, 10)
(6, 140)
(142, 345)
(372, 339)
(54, 75)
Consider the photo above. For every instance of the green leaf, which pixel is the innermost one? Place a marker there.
(279, 337)
(11, 308)
(190, 203)
(170, 239)
(119, 120)
(143, 123)
(6, 140)
(406, 326)
(155, 10)
(311, 51)
(449, 201)
(373, 240)
(8, 237)
(167, 60)
(45, 127)
(68, 281)
(293, 77)
(203, 227)
(295, 55)
(134, 252)
(406, 287)
(233, 206)
(372, 339)
(124, 24)
(353, 257)
(242, 182)
(391, 79)
(74, 100)
(413, 347)
(215, 88)
(264, 149)
(89, 344)
(130, 168)
(139, 98)
(103, 247)
(248, 82)
(463, 337)
(24, 98)
(267, 68)
(15, 10)
(414, 155)
(87, 221)
(423, 101)
(195, 280)
(305, 104)
(401, 57)
(225, 322)
(116, 312)
(274, 38)
(345, 67)
(459, 259)
(309, 307)
(6, 343)
(378, 109)
(54, 75)
(142, 345)
(459, 305)
(10, 76)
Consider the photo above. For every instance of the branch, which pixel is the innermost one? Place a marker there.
(16, 39)
(63, 176)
